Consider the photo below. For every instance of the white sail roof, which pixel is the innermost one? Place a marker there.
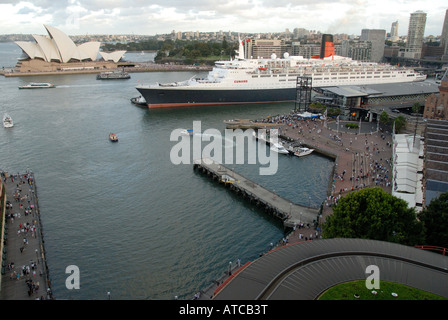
(58, 46)
(112, 56)
(90, 49)
(67, 48)
(48, 47)
(32, 49)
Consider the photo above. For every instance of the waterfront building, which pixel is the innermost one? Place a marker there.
(436, 106)
(416, 31)
(407, 155)
(357, 49)
(370, 99)
(58, 52)
(436, 159)
(377, 38)
(444, 38)
(305, 50)
(264, 48)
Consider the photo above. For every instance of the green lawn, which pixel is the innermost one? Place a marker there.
(348, 290)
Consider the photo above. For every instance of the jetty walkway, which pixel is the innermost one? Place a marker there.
(24, 268)
(291, 214)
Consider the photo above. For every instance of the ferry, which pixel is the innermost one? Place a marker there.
(246, 81)
(36, 85)
(113, 75)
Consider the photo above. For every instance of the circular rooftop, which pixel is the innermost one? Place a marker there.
(302, 271)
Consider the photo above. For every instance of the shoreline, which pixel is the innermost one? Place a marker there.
(148, 68)
(363, 156)
(372, 146)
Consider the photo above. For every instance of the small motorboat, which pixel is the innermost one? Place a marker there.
(303, 151)
(140, 101)
(279, 148)
(187, 132)
(7, 121)
(113, 137)
(35, 85)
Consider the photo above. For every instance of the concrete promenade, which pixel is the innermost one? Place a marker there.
(362, 157)
(25, 274)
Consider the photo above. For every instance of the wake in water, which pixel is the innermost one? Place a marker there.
(228, 142)
(83, 85)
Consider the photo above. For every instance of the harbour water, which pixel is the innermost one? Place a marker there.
(134, 223)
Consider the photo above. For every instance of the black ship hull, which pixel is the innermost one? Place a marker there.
(159, 97)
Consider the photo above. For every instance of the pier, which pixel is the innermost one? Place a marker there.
(291, 214)
(249, 124)
(24, 274)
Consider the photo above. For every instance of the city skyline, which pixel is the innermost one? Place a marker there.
(79, 17)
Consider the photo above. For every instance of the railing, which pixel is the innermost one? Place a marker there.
(433, 248)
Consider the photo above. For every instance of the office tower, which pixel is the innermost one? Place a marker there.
(377, 37)
(444, 38)
(394, 32)
(416, 32)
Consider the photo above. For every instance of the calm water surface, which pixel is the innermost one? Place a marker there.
(134, 223)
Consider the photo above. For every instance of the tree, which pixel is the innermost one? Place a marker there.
(416, 107)
(400, 122)
(384, 117)
(435, 220)
(374, 214)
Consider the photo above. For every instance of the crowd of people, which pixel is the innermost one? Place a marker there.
(26, 266)
(363, 158)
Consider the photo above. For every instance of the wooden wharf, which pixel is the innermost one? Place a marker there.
(290, 213)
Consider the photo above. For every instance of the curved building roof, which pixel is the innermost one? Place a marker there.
(112, 56)
(49, 48)
(304, 270)
(33, 50)
(58, 46)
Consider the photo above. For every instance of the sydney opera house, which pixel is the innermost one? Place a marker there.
(57, 52)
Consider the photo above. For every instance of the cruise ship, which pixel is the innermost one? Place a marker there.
(248, 80)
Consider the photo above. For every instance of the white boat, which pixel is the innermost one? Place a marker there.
(303, 151)
(140, 101)
(266, 80)
(113, 137)
(38, 85)
(7, 121)
(279, 148)
(187, 132)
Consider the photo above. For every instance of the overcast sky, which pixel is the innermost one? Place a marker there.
(78, 17)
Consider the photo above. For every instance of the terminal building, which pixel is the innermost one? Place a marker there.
(357, 102)
(57, 52)
(408, 163)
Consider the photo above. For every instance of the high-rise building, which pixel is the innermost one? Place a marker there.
(444, 38)
(377, 38)
(416, 32)
(264, 48)
(356, 49)
(394, 32)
